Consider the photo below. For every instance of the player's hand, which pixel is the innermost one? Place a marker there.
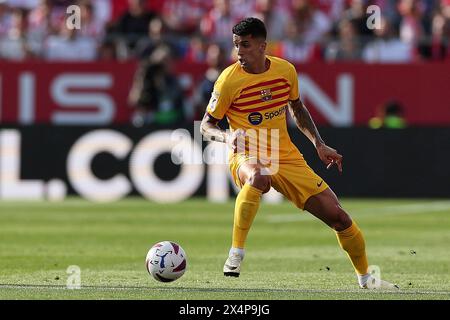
(329, 156)
(235, 138)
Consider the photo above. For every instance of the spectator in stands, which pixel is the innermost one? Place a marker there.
(357, 12)
(274, 18)
(389, 115)
(70, 45)
(90, 26)
(440, 47)
(217, 23)
(243, 8)
(5, 18)
(182, 17)
(102, 11)
(299, 28)
(445, 8)
(133, 24)
(293, 47)
(23, 4)
(107, 51)
(389, 9)
(216, 61)
(156, 93)
(436, 46)
(196, 50)
(333, 9)
(157, 36)
(46, 16)
(312, 24)
(146, 45)
(303, 34)
(411, 12)
(16, 45)
(387, 48)
(348, 45)
(44, 20)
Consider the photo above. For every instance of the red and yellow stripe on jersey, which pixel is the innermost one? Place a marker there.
(259, 102)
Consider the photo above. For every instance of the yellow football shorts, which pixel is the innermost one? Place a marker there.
(295, 180)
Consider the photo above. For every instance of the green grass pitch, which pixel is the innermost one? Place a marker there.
(290, 254)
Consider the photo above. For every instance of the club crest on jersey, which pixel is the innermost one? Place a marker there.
(266, 95)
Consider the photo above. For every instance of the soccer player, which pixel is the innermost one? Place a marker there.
(253, 94)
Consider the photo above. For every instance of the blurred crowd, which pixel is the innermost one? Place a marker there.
(299, 30)
(158, 32)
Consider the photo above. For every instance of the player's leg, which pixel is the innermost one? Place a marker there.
(254, 184)
(327, 208)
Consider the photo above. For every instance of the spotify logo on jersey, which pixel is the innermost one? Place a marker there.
(255, 118)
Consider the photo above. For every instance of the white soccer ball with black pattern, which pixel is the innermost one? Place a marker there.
(166, 261)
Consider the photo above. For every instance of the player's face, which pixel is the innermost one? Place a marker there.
(250, 51)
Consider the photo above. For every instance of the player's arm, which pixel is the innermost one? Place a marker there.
(305, 123)
(210, 129)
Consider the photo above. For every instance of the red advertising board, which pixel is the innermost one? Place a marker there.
(336, 94)
(422, 89)
(56, 93)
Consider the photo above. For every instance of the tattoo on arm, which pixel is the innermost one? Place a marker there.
(211, 131)
(304, 122)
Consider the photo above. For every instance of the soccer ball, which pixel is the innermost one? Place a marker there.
(166, 261)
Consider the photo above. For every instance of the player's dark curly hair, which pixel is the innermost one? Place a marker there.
(250, 26)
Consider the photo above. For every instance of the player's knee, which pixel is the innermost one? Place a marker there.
(342, 220)
(259, 180)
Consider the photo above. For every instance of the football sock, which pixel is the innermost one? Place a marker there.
(362, 279)
(247, 204)
(352, 241)
(237, 251)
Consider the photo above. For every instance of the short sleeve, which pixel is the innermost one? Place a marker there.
(220, 99)
(294, 94)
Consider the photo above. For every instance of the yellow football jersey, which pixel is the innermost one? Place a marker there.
(257, 103)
